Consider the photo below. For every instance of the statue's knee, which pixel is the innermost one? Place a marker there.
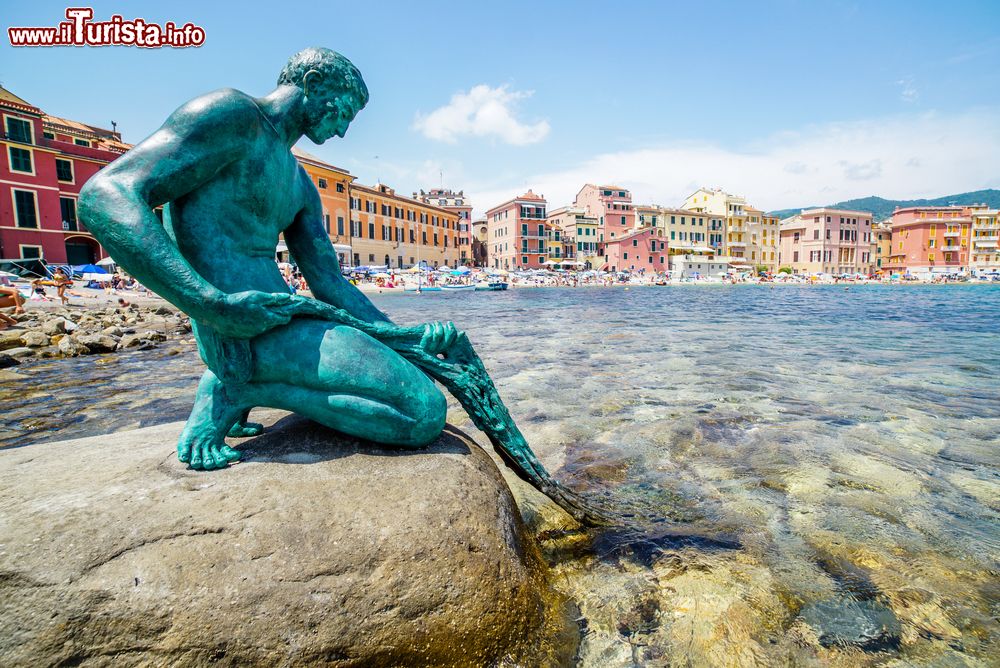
(429, 414)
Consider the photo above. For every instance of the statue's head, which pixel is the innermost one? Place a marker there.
(333, 89)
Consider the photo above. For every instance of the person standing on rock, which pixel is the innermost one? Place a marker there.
(222, 166)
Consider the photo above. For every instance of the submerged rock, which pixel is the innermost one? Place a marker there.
(316, 549)
(842, 621)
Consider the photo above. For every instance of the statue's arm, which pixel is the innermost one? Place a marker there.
(117, 204)
(309, 244)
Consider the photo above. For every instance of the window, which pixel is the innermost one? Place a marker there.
(326, 222)
(340, 225)
(623, 220)
(524, 260)
(828, 233)
(795, 256)
(24, 205)
(635, 242)
(67, 206)
(64, 170)
(48, 135)
(624, 256)
(18, 130)
(371, 257)
(930, 244)
(20, 160)
(322, 184)
(371, 230)
(340, 189)
(930, 257)
(816, 234)
(30, 252)
(82, 142)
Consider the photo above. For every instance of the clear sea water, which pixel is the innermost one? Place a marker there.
(812, 472)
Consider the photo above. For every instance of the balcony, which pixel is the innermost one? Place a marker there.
(953, 233)
(986, 242)
(737, 244)
(951, 248)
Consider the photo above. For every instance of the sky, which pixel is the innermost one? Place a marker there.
(786, 103)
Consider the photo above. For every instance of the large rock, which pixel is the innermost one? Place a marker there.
(316, 549)
(11, 339)
(70, 347)
(35, 339)
(97, 343)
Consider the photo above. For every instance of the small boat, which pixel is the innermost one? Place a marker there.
(492, 286)
(457, 288)
(422, 288)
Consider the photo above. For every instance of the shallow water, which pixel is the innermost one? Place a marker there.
(795, 461)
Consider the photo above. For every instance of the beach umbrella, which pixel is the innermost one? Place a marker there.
(106, 262)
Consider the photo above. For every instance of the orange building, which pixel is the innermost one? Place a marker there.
(929, 241)
(400, 232)
(333, 185)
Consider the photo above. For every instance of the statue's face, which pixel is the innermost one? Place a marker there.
(333, 115)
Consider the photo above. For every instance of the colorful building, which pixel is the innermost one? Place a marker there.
(881, 246)
(399, 232)
(642, 250)
(611, 206)
(46, 160)
(928, 241)
(517, 233)
(459, 204)
(333, 185)
(579, 233)
(762, 239)
(985, 255)
(827, 241)
(734, 233)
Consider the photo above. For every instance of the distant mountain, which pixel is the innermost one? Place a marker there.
(882, 208)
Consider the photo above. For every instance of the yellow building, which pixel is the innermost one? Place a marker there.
(686, 232)
(333, 185)
(881, 245)
(576, 234)
(762, 239)
(985, 255)
(735, 235)
(399, 232)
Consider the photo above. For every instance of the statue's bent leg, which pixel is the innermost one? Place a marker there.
(346, 380)
(242, 428)
(216, 409)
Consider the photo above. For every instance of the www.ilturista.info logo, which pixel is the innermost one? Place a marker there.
(80, 30)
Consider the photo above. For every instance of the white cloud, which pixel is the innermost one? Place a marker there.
(862, 171)
(482, 112)
(917, 155)
(907, 90)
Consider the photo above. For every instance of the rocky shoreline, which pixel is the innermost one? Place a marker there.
(68, 332)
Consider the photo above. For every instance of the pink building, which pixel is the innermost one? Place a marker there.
(517, 233)
(611, 206)
(644, 249)
(930, 240)
(828, 241)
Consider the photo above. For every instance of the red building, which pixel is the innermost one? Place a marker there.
(45, 162)
(517, 232)
(930, 240)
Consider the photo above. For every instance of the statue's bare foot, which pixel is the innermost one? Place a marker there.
(203, 451)
(245, 429)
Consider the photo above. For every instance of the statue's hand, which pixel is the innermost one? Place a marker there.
(244, 315)
(439, 336)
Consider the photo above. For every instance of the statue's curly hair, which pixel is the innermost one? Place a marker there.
(339, 73)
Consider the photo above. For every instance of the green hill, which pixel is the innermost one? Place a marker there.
(881, 208)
